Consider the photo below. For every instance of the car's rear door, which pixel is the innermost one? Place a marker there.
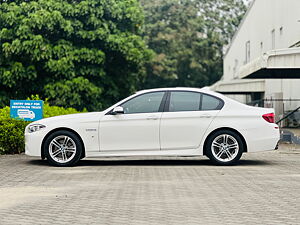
(187, 116)
(137, 128)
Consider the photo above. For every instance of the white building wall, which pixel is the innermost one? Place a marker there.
(290, 89)
(268, 25)
(257, 26)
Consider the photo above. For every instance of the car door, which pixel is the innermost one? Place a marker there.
(186, 118)
(137, 128)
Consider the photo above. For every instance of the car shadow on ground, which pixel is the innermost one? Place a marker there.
(152, 162)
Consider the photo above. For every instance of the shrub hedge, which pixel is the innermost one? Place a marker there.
(12, 130)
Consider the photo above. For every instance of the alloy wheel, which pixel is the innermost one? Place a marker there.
(225, 148)
(62, 149)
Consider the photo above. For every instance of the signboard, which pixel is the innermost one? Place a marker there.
(29, 110)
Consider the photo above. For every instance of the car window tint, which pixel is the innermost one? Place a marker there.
(210, 103)
(184, 101)
(146, 103)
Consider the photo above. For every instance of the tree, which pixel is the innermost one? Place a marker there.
(82, 54)
(188, 38)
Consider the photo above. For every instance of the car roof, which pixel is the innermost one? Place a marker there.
(169, 89)
(202, 90)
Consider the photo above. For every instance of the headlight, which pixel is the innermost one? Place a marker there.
(35, 127)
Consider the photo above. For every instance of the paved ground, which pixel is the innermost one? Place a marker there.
(263, 189)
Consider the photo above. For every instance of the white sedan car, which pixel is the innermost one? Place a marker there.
(157, 122)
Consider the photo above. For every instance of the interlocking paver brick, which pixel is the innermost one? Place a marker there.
(264, 188)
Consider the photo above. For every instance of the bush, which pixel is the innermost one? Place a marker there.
(11, 133)
(12, 130)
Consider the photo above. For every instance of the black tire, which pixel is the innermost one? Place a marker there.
(231, 136)
(74, 140)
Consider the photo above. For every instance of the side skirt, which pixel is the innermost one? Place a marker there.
(186, 152)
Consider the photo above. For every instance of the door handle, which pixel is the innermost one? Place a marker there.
(152, 118)
(205, 116)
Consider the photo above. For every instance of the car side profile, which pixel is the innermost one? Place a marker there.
(157, 122)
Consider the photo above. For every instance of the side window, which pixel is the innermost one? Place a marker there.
(145, 103)
(210, 103)
(184, 101)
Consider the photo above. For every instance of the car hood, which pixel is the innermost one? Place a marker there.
(78, 117)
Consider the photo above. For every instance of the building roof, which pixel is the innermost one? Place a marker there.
(239, 86)
(279, 63)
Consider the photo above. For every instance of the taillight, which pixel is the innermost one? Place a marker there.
(269, 117)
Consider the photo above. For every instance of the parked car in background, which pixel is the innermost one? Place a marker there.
(157, 122)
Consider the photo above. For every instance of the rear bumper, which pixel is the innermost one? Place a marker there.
(263, 139)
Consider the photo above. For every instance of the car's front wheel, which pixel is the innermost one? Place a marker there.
(63, 148)
(224, 147)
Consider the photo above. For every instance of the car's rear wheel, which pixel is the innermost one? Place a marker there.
(224, 147)
(63, 148)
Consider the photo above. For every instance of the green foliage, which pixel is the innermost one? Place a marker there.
(11, 133)
(50, 111)
(12, 130)
(76, 53)
(188, 38)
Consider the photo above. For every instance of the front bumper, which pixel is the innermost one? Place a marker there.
(33, 142)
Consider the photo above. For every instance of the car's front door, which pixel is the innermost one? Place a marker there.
(137, 128)
(186, 119)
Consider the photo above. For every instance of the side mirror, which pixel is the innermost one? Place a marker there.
(118, 110)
